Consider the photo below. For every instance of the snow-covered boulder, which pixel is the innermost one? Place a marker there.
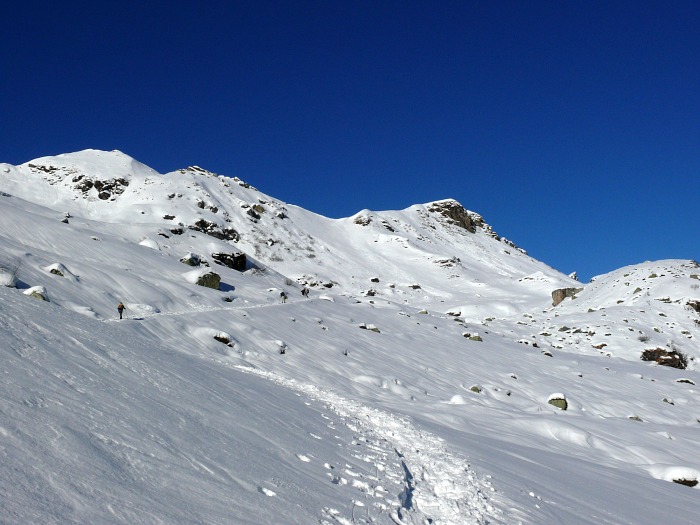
(150, 243)
(204, 277)
(192, 259)
(558, 400)
(38, 292)
(60, 270)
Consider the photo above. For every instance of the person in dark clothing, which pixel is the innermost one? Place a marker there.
(120, 309)
(305, 291)
(283, 297)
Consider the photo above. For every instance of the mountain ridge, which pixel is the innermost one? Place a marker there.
(276, 234)
(414, 384)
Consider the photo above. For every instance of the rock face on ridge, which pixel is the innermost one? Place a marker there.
(203, 212)
(453, 210)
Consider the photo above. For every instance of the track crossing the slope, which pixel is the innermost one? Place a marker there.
(439, 487)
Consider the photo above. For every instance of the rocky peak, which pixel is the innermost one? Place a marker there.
(457, 214)
(91, 174)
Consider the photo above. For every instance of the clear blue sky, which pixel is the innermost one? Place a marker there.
(572, 127)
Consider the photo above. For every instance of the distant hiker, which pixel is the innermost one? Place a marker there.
(283, 297)
(120, 309)
(305, 291)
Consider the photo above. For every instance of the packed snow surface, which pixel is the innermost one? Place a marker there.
(412, 386)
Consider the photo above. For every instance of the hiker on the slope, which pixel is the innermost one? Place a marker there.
(305, 292)
(283, 297)
(120, 309)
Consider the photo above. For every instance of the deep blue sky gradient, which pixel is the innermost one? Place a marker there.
(572, 127)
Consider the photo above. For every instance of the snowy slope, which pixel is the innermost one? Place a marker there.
(373, 401)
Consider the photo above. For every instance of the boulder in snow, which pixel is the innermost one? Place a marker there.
(671, 358)
(204, 277)
(562, 293)
(192, 259)
(38, 292)
(559, 401)
(235, 261)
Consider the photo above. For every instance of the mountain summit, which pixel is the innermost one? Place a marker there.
(440, 246)
(434, 372)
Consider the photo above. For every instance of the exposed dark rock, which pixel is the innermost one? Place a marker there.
(448, 263)
(83, 185)
(215, 230)
(209, 280)
(235, 261)
(454, 211)
(671, 358)
(223, 338)
(562, 293)
(388, 226)
(686, 482)
(559, 402)
(695, 305)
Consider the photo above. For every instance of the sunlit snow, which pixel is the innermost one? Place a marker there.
(413, 386)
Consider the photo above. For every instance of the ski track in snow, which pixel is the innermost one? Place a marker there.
(195, 308)
(438, 487)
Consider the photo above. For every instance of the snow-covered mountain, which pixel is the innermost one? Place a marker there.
(412, 386)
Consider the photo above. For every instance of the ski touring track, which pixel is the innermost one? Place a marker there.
(194, 308)
(439, 487)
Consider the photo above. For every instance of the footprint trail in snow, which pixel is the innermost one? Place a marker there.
(437, 487)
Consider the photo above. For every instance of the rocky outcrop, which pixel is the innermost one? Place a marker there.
(235, 261)
(215, 230)
(106, 189)
(362, 220)
(671, 358)
(562, 293)
(455, 212)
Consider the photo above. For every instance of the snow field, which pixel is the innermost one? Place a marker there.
(188, 411)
